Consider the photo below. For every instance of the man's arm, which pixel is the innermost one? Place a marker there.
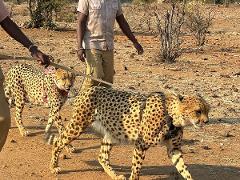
(81, 28)
(15, 32)
(127, 31)
(12, 29)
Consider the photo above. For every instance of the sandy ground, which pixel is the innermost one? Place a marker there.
(214, 72)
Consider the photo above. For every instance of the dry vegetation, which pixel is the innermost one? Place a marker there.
(212, 71)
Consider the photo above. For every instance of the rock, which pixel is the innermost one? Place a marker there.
(237, 74)
(191, 150)
(221, 147)
(225, 75)
(32, 174)
(167, 86)
(132, 55)
(206, 147)
(215, 96)
(227, 134)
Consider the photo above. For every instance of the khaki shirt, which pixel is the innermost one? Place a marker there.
(100, 22)
(3, 11)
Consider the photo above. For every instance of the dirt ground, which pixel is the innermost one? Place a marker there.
(211, 153)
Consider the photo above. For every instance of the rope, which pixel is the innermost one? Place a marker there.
(77, 73)
(64, 68)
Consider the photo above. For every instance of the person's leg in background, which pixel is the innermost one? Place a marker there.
(108, 66)
(5, 120)
(96, 64)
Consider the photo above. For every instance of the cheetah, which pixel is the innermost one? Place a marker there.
(25, 83)
(144, 120)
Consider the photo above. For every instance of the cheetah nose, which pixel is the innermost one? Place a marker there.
(206, 121)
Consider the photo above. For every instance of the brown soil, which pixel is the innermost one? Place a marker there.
(214, 72)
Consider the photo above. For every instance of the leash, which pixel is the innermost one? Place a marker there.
(77, 73)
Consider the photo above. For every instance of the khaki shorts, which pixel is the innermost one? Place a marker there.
(4, 114)
(100, 64)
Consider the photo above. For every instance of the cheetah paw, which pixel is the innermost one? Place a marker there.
(25, 133)
(71, 149)
(55, 170)
(50, 138)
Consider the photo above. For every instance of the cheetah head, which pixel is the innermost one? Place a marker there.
(63, 79)
(193, 110)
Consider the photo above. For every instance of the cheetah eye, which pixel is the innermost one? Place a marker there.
(198, 112)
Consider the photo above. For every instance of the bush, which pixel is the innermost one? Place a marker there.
(42, 12)
(198, 21)
(169, 29)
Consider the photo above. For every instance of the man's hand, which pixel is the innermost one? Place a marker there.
(40, 56)
(81, 55)
(138, 47)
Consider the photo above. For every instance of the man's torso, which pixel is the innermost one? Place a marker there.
(100, 23)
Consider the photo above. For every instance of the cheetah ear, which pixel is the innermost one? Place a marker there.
(180, 97)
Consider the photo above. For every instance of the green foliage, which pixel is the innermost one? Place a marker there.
(42, 12)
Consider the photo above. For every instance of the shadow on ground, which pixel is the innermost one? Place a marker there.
(225, 121)
(198, 171)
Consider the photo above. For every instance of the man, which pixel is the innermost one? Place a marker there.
(95, 36)
(14, 31)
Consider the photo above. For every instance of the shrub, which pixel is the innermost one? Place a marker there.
(169, 28)
(198, 21)
(42, 12)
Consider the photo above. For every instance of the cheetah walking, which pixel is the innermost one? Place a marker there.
(143, 120)
(24, 83)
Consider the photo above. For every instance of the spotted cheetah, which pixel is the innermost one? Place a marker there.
(145, 120)
(25, 83)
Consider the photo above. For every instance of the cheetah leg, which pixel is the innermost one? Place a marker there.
(71, 132)
(175, 155)
(8, 95)
(59, 124)
(104, 156)
(53, 114)
(18, 118)
(56, 118)
(138, 157)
